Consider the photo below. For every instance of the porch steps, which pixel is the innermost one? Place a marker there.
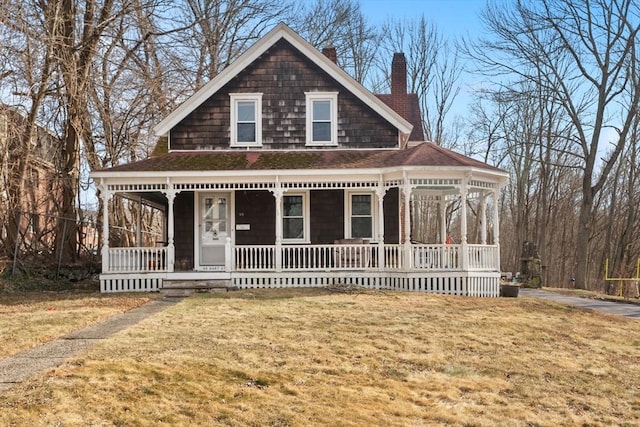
(183, 288)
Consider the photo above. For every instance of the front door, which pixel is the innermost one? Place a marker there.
(213, 228)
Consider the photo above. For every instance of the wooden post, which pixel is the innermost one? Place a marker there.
(171, 250)
(380, 192)
(463, 225)
(406, 190)
(496, 217)
(277, 192)
(104, 192)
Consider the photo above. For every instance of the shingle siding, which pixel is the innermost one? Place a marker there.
(258, 209)
(327, 216)
(282, 75)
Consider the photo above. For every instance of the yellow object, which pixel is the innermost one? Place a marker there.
(606, 273)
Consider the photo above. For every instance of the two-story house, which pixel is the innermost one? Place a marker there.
(284, 171)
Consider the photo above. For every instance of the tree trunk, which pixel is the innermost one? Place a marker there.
(581, 273)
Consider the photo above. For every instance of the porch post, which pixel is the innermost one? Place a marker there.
(139, 224)
(406, 190)
(443, 219)
(380, 192)
(483, 218)
(463, 225)
(104, 193)
(171, 250)
(496, 217)
(277, 192)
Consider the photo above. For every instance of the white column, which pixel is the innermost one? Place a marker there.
(463, 226)
(496, 217)
(104, 193)
(277, 192)
(483, 218)
(443, 219)
(171, 249)
(406, 191)
(380, 192)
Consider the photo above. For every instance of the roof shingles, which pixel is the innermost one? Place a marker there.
(424, 154)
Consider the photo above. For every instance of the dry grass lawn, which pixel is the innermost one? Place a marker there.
(312, 357)
(29, 319)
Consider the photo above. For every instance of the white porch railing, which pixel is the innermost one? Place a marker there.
(329, 257)
(363, 257)
(436, 257)
(255, 258)
(137, 260)
(484, 257)
(394, 257)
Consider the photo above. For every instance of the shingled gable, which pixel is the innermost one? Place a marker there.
(282, 31)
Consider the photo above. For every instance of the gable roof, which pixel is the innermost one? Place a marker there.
(424, 154)
(282, 31)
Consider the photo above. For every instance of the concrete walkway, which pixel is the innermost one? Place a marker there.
(21, 366)
(611, 307)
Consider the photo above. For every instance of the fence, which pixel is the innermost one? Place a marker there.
(38, 238)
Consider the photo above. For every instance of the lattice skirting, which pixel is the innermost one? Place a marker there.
(130, 283)
(465, 284)
(474, 284)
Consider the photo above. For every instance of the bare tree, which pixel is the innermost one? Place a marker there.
(342, 25)
(583, 54)
(28, 73)
(433, 71)
(215, 32)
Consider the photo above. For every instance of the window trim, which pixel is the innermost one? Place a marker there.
(349, 214)
(332, 97)
(306, 217)
(235, 98)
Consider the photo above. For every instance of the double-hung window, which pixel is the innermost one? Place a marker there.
(360, 216)
(295, 214)
(246, 119)
(322, 126)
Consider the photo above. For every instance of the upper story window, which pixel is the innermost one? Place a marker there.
(322, 122)
(246, 119)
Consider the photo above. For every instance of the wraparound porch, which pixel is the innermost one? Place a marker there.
(396, 228)
(469, 270)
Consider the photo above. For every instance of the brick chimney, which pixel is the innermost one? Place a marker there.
(330, 52)
(398, 74)
(399, 84)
